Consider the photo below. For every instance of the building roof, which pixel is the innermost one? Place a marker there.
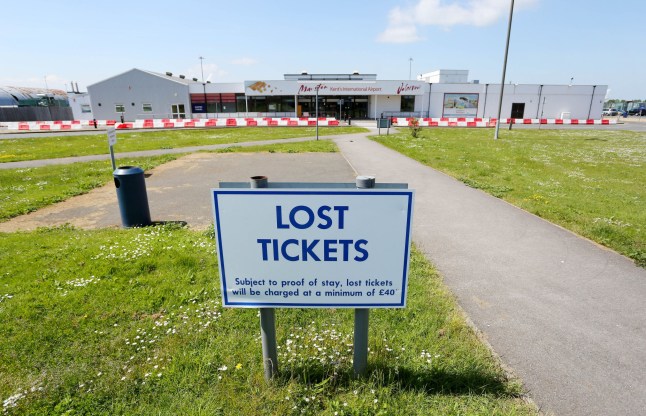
(167, 76)
(15, 96)
(355, 76)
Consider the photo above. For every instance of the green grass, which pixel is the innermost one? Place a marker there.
(112, 322)
(20, 149)
(589, 181)
(29, 189)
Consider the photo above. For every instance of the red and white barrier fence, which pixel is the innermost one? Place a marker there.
(174, 123)
(491, 122)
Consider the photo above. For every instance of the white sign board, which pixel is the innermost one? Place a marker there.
(342, 88)
(112, 136)
(313, 248)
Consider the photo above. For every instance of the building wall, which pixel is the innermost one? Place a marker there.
(35, 113)
(81, 106)
(380, 103)
(452, 76)
(216, 88)
(135, 88)
(548, 101)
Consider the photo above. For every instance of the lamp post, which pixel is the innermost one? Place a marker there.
(504, 70)
(410, 68)
(202, 66)
(206, 113)
(317, 111)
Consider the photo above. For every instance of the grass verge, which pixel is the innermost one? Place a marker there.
(28, 189)
(589, 181)
(130, 322)
(20, 149)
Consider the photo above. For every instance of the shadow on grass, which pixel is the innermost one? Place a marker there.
(430, 381)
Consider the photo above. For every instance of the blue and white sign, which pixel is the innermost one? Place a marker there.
(198, 108)
(313, 248)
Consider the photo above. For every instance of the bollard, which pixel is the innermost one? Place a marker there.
(132, 197)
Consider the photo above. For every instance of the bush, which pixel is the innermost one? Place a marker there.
(413, 125)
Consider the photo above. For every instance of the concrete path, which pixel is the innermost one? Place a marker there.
(179, 190)
(566, 314)
(143, 153)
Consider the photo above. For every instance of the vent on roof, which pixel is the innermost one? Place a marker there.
(182, 76)
(194, 79)
(355, 72)
(303, 72)
(170, 74)
(208, 82)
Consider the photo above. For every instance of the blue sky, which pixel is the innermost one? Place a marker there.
(594, 42)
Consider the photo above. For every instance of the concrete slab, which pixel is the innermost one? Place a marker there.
(179, 190)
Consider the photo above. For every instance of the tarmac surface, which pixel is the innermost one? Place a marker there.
(566, 315)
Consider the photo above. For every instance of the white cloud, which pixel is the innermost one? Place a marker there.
(244, 61)
(403, 23)
(53, 81)
(401, 28)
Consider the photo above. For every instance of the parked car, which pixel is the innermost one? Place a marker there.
(637, 112)
(609, 112)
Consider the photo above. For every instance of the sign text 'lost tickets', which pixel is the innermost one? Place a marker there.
(303, 248)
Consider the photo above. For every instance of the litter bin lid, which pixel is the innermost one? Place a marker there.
(128, 170)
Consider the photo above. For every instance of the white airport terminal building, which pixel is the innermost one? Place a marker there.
(138, 94)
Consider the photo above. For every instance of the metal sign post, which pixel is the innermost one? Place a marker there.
(361, 315)
(112, 140)
(313, 245)
(384, 123)
(267, 316)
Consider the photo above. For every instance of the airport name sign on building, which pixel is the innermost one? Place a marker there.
(271, 88)
(313, 248)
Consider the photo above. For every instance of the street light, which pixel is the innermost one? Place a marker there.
(504, 70)
(410, 68)
(206, 114)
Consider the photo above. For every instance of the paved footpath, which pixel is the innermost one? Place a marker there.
(568, 316)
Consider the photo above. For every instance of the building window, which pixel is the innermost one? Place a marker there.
(119, 108)
(85, 108)
(147, 107)
(178, 111)
(258, 104)
(408, 103)
(241, 104)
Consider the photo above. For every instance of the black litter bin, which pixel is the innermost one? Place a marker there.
(131, 193)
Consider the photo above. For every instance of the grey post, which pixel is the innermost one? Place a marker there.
(317, 113)
(504, 70)
(361, 315)
(267, 316)
(114, 165)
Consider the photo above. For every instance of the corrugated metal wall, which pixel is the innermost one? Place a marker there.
(35, 113)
